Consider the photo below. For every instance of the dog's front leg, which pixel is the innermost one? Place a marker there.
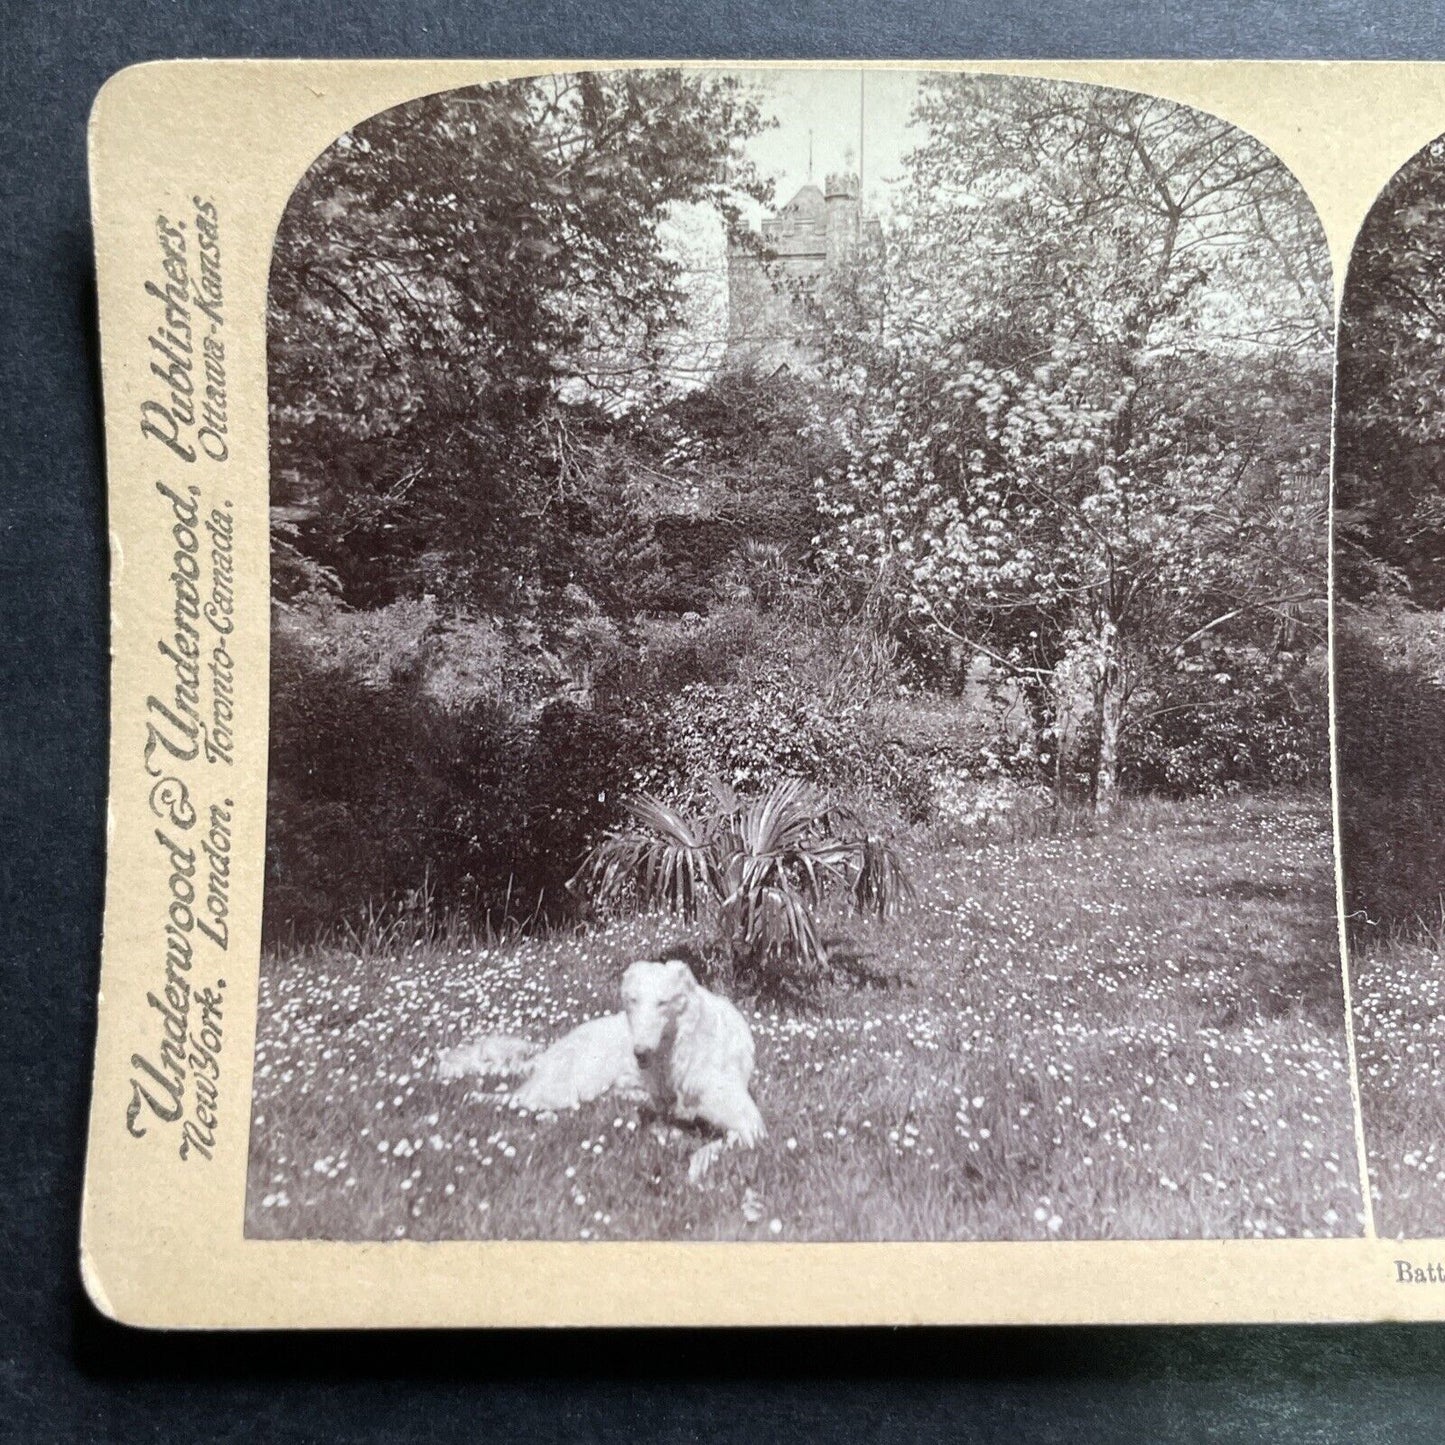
(732, 1112)
(734, 1115)
(704, 1157)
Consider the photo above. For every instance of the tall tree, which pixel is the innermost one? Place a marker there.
(454, 283)
(1098, 451)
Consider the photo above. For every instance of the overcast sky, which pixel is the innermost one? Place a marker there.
(826, 102)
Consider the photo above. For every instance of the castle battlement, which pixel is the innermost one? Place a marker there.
(774, 273)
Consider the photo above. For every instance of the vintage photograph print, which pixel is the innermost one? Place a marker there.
(1390, 679)
(798, 670)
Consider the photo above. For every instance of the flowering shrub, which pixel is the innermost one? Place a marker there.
(752, 736)
(747, 735)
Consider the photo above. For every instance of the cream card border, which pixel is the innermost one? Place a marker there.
(162, 1241)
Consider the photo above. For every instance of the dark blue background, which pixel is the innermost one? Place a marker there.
(65, 1374)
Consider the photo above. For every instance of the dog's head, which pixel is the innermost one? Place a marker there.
(654, 996)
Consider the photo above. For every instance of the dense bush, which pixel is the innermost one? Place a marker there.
(415, 751)
(378, 791)
(753, 735)
(669, 653)
(1272, 728)
(755, 693)
(1391, 740)
(418, 751)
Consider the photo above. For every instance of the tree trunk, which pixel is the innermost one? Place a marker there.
(1063, 705)
(1061, 739)
(1111, 717)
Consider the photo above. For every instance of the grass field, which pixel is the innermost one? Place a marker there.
(1399, 1005)
(1131, 1034)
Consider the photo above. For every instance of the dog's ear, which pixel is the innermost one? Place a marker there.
(679, 975)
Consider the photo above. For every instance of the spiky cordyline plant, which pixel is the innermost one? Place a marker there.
(760, 867)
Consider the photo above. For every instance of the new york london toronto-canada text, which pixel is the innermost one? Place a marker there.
(188, 745)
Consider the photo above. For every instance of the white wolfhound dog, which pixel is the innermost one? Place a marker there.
(677, 1045)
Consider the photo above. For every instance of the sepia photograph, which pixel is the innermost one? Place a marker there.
(1389, 540)
(799, 694)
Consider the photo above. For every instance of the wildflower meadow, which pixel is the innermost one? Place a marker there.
(1399, 1006)
(1131, 1033)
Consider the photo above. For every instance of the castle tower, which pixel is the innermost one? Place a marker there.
(776, 272)
(845, 216)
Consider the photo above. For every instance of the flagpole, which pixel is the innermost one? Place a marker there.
(862, 78)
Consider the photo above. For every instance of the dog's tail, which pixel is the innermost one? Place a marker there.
(492, 1055)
